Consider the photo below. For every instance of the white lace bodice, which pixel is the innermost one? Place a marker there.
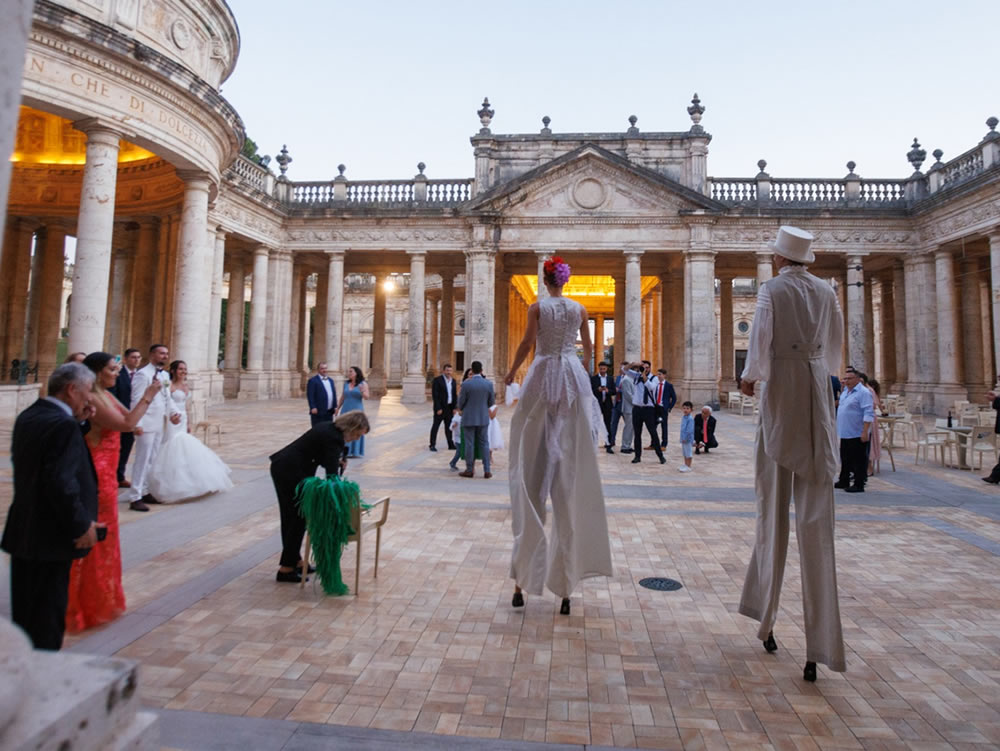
(180, 402)
(558, 326)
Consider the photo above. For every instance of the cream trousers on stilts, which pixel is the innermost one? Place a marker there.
(776, 486)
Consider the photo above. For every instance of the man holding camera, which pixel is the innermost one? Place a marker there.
(644, 412)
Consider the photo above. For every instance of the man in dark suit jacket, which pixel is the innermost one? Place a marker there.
(603, 386)
(322, 396)
(52, 519)
(322, 444)
(704, 431)
(664, 399)
(122, 391)
(445, 397)
(994, 476)
(474, 405)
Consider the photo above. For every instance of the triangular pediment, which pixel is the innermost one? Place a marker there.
(590, 181)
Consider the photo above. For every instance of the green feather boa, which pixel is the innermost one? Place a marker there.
(326, 505)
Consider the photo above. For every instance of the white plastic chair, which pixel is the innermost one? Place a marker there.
(982, 442)
(938, 440)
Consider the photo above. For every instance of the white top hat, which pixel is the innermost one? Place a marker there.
(793, 243)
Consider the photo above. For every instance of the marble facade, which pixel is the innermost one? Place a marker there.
(137, 157)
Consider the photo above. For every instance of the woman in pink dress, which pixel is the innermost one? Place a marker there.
(96, 595)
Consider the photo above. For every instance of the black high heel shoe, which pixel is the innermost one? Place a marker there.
(564, 610)
(770, 645)
(518, 601)
(809, 672)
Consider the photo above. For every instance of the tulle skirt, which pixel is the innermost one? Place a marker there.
(187, 468)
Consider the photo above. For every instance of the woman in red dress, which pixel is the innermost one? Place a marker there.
(95, 582)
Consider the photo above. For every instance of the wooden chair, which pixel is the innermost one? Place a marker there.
(205, 426)
(938, 440)
(362, 521)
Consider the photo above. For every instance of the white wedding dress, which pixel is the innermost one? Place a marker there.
(185, 467)
(553, 453)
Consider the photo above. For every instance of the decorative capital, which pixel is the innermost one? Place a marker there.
(696, 111)
(632, 130)
(545, 125)
(916, 155)
(485, 116)
(283, 160)
(991, 123)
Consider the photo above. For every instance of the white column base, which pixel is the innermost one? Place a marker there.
(377, 382)
(254, 385)
(231, 383)
(414, 390)
(14, 398)
(700, 393)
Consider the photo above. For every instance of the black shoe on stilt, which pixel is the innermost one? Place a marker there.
(518, 601)
(770, 645)
(564, 610)
(809, 672)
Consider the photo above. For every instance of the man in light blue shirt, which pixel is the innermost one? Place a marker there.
(854, 423)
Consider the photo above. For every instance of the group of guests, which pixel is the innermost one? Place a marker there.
(70, 450)
(321, 393)
(637, 398)
(469, 411)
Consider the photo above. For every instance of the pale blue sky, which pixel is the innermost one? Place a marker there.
(380, 86)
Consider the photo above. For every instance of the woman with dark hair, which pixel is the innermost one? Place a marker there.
(185, 467)
(96, 595)
(352, 400)
(553, 444)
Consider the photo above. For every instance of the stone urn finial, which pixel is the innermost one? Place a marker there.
(341, 168)
(696, 111)
(761, 164)
(283, 159)
(421, 167)
(850, 167)
(991, 123)
(545, 125)
(916, 155)
(938, 164)
(632, 120)
(485, 115)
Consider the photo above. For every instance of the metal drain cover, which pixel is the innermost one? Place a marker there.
(660, 584)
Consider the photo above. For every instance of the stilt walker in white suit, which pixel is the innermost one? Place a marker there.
(149, 432)
(794, 348)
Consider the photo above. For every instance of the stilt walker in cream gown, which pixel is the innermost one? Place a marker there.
(553, 452)
(795, 347)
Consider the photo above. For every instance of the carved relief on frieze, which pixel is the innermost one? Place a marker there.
(827, 237)
(364, 235)
(962, 222)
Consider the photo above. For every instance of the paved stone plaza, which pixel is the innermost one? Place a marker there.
(432, 655)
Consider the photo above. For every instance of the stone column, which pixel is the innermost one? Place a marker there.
(283, 322)
(432, 325)
(765, 266)
(479, 315)
(302, 350)
(34, 302)
(160, 276)
(377, 373)
(994, 238)
(15, 272)
(619, 332)
(985, 305)
(599, 341)
(414, 382)
(949, 367)
(857, 345)
(13, 39)
(656, 336)
(192, 294)
(447, 347)
(633, 306)
(840, 287)
(215, 320)
(502, 331)
(869, 330)
(675, 326)
(319, 341)
(235, 306)
(52, 268)
(899, 315)
(258, 310)
(888, 374)
(921, 329)
(972, 330)
(295, 328)
(727, 366)
(543, 256)
(334, 310)
(94, 226)
(699, 276)
(114, 331)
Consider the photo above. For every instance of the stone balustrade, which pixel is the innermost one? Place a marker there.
(962, 168)
(382, 192)
(248, 172)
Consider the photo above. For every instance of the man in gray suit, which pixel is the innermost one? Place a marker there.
(474, 402)
(626, 389)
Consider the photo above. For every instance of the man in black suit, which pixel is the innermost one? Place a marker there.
(664, 399)
(993, 478)
(445, 397)
(122, 391)
(704, 431)
(321, 394)
(604, 390)
(52, 519)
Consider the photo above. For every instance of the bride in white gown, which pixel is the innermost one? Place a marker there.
(553, 452)
(185, 467)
